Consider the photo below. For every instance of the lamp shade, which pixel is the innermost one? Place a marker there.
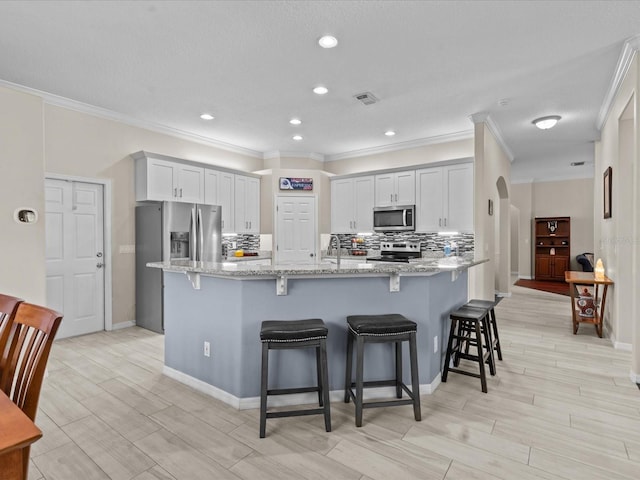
(599, 270)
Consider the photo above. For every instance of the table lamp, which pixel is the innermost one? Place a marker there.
(599, 270)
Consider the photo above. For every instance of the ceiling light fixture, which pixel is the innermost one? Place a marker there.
(328, 41)
(295, 121)
(545, 123)
(389, 133)
(297, 138)
(207, 116)
(320, 90)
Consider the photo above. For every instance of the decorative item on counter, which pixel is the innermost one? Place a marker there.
(552, 226)
(239, 253)
(599, 270)
(552, 251)
(447, 249)
(585, 304)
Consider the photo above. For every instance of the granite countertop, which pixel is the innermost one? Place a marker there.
(427, 266)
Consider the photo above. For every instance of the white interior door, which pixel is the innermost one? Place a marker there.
(295, 229)
(75, 255)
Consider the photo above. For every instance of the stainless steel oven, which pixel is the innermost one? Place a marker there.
(400, 218)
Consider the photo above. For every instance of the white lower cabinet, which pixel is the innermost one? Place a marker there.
(444, 198)
(352, 202)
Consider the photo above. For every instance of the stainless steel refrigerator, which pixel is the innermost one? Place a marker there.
(171, 231)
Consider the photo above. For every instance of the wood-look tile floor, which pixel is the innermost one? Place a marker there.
(560, 406)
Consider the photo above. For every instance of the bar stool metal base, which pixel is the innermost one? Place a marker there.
(403, 332)
(287, 338)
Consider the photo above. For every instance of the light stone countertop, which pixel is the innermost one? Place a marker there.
(321, 269)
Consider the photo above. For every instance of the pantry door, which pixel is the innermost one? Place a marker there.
(75, 254)
(295, 240)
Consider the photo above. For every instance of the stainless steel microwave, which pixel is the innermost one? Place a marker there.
(400, 218)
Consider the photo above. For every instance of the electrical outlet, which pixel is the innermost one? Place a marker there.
(207, 349)
(435, 344)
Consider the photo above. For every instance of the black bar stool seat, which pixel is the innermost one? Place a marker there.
(489, 305)
(381, 329)
(286, 334)
(468, 327)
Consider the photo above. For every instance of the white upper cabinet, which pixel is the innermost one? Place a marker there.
(219, 190)
(444, 198)
(247, 204)
(352, 204)
(396, 188)
(163, 180)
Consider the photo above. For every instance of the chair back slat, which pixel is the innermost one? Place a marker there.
(8, 308)
(34, 329)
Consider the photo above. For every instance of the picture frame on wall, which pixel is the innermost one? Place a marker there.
(606, 188)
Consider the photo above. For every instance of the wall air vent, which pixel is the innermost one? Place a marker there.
(367, 98)
(577, 164)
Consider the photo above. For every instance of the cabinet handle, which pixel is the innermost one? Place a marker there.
(355, 225)
(396, 197)
(180, 192)
(440, 222)
(175, 192)
(445, 221)
(222, 223)
(391, 197)
(249, 224)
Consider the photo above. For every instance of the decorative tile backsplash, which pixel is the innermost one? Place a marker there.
(429, 242)
(249, 242)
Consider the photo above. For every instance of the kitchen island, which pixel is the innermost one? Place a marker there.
(224, 304)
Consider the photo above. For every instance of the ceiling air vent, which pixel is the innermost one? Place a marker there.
(576, 164)
(367, 98)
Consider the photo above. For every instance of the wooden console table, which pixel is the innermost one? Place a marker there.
(17, 432)
(576, 279)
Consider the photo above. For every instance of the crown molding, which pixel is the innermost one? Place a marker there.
(420, 142)
(629, 49)
(485, 117)
(58, 101)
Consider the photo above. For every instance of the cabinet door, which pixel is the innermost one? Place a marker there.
(405, 188)
(190, 184)
(342, 208)
(458, 203)
(240, 195)
(252, 204)
(226, 199)
(211, 178)
(429, 197)
(543, 267)
(363, 200)
(560, 264)
(385, 190)
(162, 181)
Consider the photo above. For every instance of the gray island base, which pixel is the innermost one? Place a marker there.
(227, 309)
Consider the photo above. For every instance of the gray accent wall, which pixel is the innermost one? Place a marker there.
(228, 313)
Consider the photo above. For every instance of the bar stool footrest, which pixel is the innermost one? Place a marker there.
(287, 391)
(295, 413)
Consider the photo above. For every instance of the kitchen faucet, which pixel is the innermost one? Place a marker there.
(338, 248)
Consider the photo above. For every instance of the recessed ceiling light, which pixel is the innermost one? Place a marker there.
(207, 116)
(295, 121)
(545, 123)
(328, 41)
(389, 133)
(297, 138)
(320, 90)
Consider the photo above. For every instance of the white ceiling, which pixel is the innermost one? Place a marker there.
(253, 64)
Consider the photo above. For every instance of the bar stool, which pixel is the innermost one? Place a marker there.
(381, 329)
(489, 305)
(468, 326)
(284, 334)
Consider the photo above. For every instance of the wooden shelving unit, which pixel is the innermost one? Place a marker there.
(552, 247)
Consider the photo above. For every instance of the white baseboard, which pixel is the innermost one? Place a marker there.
(525, 277)
(119, 325)
(635, 377)
(284, 400)
(627, 347)
(503, 294)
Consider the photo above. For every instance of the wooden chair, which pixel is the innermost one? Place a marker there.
(32, 334)
(8, 308)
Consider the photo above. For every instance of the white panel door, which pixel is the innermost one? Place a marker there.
(161, 180)
(385, 189)
(405, 188)
(296, 229)
(226, 199)
(459, 201)
(342, 207)
(190, 184)
(429, 197)
(211, 186)
(74, 254)
(363, 195)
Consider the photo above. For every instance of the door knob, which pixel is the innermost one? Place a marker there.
(99, 254)
(311, 254)
(99, 265)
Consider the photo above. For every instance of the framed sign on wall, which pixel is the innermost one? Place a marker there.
(289, 183)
